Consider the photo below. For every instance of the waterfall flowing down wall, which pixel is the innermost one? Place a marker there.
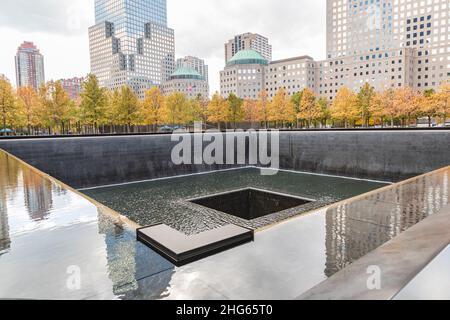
(93, 161)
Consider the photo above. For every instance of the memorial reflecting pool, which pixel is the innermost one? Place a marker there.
(48, 230)
(168, 201)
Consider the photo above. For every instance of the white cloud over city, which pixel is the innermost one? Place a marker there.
(59, 28)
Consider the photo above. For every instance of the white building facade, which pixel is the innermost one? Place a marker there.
(293, 75)
(387, 43)
(244, 75)
(187, 81)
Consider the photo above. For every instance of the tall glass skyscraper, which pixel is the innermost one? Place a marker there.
(29, 66)
(131, 44)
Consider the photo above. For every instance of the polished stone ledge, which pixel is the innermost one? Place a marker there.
(399, 261)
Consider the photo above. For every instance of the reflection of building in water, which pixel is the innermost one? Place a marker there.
(357, 228)
(349, 239)
(129, 262)
(120, 255)
(9, 176)
(5, 241)
(38, 195)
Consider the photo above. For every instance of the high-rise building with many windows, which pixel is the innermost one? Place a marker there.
(29, 66)
(387, 43)
(248, 41)
(195, 63)
(131, 44)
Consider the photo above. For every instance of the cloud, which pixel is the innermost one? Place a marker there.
(294, 27)
(52, 16)
(60, 29)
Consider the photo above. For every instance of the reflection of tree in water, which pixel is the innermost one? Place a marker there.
(357, 228)
(129, 261)
(38, 195)
(9, 181)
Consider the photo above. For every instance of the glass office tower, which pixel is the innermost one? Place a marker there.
(131, 44)
(29, 66)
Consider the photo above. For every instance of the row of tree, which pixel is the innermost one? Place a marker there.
(50, 110)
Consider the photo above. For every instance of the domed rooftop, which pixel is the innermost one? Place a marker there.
(186, 73)
(247, 57)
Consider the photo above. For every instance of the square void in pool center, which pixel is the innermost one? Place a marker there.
(250, 203)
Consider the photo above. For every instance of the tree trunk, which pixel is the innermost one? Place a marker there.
(4, 125)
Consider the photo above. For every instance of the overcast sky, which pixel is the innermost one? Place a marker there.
(59, 29)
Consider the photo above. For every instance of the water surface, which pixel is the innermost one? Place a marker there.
(167, 201)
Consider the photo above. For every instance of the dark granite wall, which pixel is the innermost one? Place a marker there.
(93, 161)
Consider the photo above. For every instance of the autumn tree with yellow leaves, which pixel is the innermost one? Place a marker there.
(152, 108)
(28, 102)
(251, 112)
(218, 110)
(309, 110)
(8, 105)
(345, 107)
(175, 109)
(263, 107)
(406, 102)
(54, 107)
(442, 101)
(282, 109)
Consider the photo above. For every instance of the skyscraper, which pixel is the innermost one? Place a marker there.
(248, 41)
(194, 63)
(29, 66)
(386, 43)
(131, 44)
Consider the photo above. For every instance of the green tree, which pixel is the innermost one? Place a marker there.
(236, 112)
(176, 109)
(29, 102)
(197, 109)
(7, 104)
(152, 107)
(93, 103)
(128, 108)
(324, 107)
(112, 111)
(296, 100)
(365, 96)
(54, 107)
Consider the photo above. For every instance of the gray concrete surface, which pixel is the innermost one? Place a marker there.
(433, 283)
(94, 161)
